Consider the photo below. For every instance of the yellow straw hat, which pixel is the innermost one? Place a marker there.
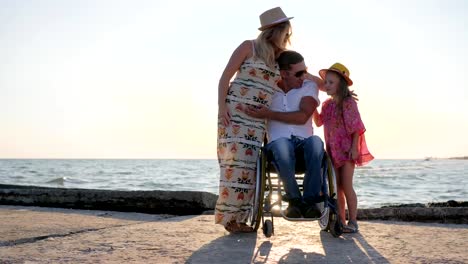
(272, 17)
(340, 69)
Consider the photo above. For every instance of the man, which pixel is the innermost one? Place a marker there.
(290, 134)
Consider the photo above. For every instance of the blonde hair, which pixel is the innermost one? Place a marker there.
(271, 42)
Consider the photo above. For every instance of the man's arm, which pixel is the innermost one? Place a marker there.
(306, 107)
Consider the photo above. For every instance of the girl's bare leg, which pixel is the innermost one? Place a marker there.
(346, 178)
(341, 196)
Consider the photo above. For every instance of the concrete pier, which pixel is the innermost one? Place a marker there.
(51, 235)
(155, 202)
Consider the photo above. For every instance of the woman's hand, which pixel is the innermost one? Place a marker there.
(260, 111)
(224, 116)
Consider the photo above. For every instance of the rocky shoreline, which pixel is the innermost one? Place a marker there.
(196, 203)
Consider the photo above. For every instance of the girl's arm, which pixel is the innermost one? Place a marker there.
(353, 125)
(353, 152)
(238, 56)
(320, 83)
(317, 120)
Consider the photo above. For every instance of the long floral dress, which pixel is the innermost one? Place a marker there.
(338, 130)
(240, 141)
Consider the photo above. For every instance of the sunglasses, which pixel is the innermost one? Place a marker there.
(300, 73)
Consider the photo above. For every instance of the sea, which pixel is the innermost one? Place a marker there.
(382, 182)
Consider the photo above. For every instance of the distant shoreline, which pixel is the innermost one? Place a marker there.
(460, 158)
(449, 158)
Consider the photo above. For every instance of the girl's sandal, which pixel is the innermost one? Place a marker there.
(351, 227)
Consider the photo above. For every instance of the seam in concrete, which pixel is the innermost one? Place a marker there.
(29, 240)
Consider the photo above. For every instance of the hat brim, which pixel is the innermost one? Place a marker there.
(323, 73)
(275, 23)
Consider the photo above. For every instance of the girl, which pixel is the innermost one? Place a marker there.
(344, 137)
(240, 136)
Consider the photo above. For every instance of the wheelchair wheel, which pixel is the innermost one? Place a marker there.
(335, 226)
(330, 220)
(256, 211)
(325, 218)
(268, 228)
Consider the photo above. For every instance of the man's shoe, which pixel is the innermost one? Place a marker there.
(312, 211)
(293, 211)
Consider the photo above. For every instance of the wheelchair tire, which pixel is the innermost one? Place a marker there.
(268, 228)
(256, 213)
(330, 221)
(324, 219)
(336, 227)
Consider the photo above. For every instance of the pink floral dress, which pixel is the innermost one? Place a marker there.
(338, 130)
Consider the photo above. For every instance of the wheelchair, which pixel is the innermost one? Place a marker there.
(269, 198)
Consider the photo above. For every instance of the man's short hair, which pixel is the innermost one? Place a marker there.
(288, 57)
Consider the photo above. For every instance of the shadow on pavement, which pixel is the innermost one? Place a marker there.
(263, 252)
(242, 248)
(349, 248)
(233, 248)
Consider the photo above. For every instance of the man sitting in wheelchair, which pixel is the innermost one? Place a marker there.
(290, 134)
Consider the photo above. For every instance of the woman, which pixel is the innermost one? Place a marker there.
(241, 136)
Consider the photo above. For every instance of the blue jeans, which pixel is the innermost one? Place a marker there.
(285, 153)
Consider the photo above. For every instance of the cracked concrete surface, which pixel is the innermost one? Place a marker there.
(49, 235)
(39, 222)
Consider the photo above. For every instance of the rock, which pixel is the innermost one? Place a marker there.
(404, 205)
(450, 203)
(156, 202)
(443, 212)
(455, 215)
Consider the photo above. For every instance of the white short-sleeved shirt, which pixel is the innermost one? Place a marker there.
(289, 102)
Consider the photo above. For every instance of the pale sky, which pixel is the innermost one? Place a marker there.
(139, 79)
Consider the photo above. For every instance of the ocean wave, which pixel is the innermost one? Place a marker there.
(58, 181)
(124, 172)
(65, 180)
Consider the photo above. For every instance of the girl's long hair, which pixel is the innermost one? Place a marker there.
(343, 92)
(271, 42)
